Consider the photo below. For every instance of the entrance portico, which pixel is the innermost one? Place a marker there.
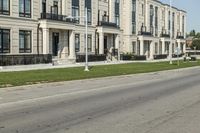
(58, 40)
(108, 40)
(147, 46)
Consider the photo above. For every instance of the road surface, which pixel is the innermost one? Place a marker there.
(160, 102)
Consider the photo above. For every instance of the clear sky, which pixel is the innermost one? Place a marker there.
(193, 12)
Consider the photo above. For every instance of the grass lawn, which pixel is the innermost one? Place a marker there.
(66, 74)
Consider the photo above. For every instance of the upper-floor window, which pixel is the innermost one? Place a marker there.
(173, 23)
(54, 8)
(183, 25)
(133, 16)
(25, 8)
(105, 17)
(88, 6)
(44, 6)
(4, 41)
(117, 16)
(151, 18)
(156, 21)
(75, 10)
(5, 7)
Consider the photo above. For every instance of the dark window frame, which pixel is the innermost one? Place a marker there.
(76, 7)
(77, 49)
(25, 33)
(2, 49)
(2, 11)
(24, 14)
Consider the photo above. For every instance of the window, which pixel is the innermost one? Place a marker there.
(173, 24)
(25, 41)
(25, 8)
(88, 5)
(117, 19)
(156, 21)
(4, 41)
(44, 8)
(77, 42)
(183, 25)
(142, 9)
(54, 8)
(5, 7)
(151, 18)
(75, 10)
(134, 16)
(134, 50)
(89, 43)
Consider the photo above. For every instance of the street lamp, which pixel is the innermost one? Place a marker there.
(86, 38)
(170, 48)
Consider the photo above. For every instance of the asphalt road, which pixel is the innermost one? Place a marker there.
(161, 102)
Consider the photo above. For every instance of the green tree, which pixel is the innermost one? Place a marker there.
(192, 33)
(196, 43)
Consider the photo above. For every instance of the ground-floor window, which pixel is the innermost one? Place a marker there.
(156, 48)
(77, 42)
(25, 41)
(4, 41)
(134, 50)
(89, 43)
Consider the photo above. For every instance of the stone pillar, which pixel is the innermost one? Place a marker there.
(72, 54)
(152, 45)
(163, 47)
(101, 43)
(65, 45)
(141, 47)
(45, 38)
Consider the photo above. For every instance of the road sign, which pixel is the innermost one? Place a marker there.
(177, 51)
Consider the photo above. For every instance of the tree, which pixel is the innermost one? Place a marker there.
(196, 43)
(192, 33)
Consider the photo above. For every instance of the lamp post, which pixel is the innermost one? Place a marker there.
(86, 38)
(170, 47)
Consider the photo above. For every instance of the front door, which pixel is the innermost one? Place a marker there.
(55, 44)
(105, 45)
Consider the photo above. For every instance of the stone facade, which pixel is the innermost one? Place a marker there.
(57, 27)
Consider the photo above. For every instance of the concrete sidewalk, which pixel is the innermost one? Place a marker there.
(50, 66)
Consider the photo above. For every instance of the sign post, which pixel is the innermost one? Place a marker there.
(177, 51)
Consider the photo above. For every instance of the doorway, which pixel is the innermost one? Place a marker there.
(55, 43)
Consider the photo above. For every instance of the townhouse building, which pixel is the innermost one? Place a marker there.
(37, 31)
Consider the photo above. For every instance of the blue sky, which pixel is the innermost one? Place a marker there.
(193, 12)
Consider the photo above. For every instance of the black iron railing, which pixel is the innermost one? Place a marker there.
(109, 24)
(57, 17)
(8, 60)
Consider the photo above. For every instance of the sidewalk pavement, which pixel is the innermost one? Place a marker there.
(50, 66)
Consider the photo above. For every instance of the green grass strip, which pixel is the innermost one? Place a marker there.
(8, 79)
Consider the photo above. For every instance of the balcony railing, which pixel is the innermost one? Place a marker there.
(109, 24)
(57, 17)
(165, 35)
(180, 37)
(145, 33)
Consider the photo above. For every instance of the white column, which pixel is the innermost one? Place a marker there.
(45, 32)
(117, 42)
(65, 45)
(72, 54)
(163, 47)
(152, 45)
(141, 47)
(101, 43)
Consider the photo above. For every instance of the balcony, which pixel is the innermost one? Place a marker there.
(108, 24)
(165, 35)
(56, 17)
(144, 32)
(180, 36)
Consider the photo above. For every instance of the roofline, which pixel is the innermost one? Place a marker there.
(164, 4)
